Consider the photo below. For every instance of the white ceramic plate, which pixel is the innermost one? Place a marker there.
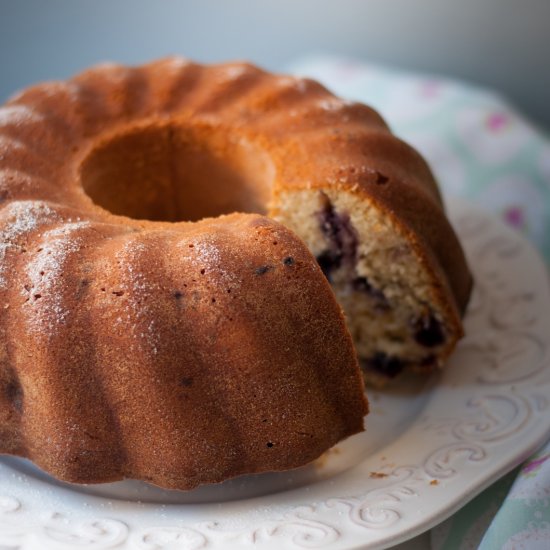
(429, 447)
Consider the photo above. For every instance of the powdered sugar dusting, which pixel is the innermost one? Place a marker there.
(138, 315)
(205, 254)
(16, 115)
(331, 104)
(8, 145)
(45, 288)
(179, 62)
(299, 84)
(235, 71)
(23, 180)
(17, 220)
(69, 90)
(116, 74)
(22, 217)
(13, 151)
(175, 65)
(4, 247)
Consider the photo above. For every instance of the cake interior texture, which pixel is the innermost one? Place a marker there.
(378, 280)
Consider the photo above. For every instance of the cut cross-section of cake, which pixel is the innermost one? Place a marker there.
(380, 234)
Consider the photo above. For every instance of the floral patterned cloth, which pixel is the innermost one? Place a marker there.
(479, 148)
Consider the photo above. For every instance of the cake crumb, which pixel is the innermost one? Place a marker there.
(378, 475)
(321, 461)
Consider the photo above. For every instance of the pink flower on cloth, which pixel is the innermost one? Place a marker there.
(533, 466)
(430, 88)
(515, 217)
(497, 121)
(518, 201)
(493, 137)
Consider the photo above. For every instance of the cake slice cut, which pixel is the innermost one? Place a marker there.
(377, 226)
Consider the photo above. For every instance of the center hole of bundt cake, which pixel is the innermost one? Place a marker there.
(176, 172)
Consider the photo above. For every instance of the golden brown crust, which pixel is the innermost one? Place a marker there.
(180, 358)
(177, 353)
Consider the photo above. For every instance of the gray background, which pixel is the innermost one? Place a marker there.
(503, 44)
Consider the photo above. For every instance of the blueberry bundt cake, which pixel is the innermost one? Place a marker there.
(146, 334)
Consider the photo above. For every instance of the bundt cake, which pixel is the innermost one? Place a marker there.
(146, 334)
